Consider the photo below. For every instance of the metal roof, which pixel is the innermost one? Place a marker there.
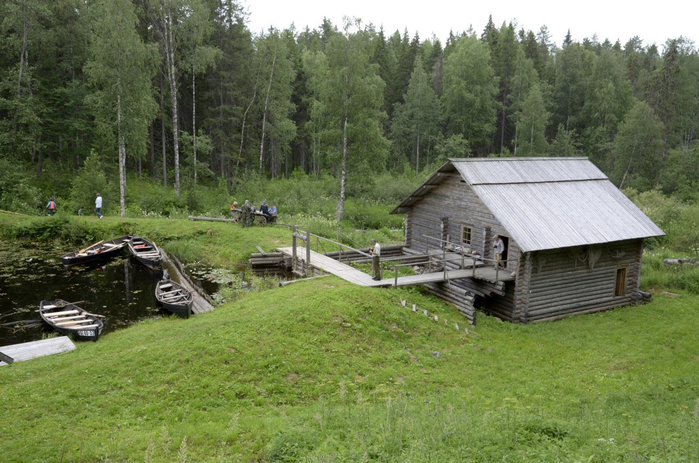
(548, 203)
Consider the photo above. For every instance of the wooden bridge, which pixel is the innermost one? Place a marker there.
(473, 268)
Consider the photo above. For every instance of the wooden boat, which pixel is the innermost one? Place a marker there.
(69, 319)
(146, 252)
(174, 297)
(97, 252)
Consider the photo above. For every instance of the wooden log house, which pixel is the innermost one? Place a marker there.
(573, 241)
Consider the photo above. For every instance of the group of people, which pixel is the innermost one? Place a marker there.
(51, 206)
(247, 212)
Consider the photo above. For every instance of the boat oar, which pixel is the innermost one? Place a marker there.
(92, 245)
(59, 305)
(94, 314)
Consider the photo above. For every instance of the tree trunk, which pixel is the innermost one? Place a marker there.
(343, 176)
(23, 52)
(194, 124)
(39, 164)
(245, 115)
(163, 136)
(122, 150)
(264, 112)
(151, 136)
(172, 78)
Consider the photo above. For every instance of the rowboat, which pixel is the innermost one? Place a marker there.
(69, 319)
(174, 297)
(146, 252)
(97, 252)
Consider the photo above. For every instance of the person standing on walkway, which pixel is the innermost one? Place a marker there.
(375, 252)
(51, 206)
(98, 206)
(498, 248)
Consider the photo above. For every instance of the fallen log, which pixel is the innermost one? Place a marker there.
(212, 219)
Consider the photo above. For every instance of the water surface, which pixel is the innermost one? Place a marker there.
(120, 289)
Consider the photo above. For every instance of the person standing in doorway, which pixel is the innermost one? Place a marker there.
(375, 252)
(498, 248)
(51, 206)
(98, 206)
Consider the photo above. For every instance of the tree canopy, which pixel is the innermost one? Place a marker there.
(181, 88)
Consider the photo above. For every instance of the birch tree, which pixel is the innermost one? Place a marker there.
(120, 68)
(278, 74)
(177, 20)
(352, 95)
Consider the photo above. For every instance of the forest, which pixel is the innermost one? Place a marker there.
(181, 93)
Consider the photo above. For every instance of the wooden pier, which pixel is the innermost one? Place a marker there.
(201, 302)
(34, 349)
(326, 264)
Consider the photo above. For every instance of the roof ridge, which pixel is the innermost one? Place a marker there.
(577, 158)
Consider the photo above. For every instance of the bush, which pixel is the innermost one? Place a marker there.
(17, 193)
(91, 180)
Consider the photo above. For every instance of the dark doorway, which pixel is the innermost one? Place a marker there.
(506, 242)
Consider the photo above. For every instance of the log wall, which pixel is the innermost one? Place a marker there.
(548, 284)
(563, 282)
(454, 198)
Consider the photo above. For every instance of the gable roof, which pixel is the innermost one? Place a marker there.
(547, 203)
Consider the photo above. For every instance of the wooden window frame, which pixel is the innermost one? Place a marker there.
(470, 234)
(620, 276)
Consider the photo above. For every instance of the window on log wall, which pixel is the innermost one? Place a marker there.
(620, 284)
(466, 234)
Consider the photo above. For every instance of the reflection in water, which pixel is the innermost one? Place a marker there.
(117, 289)
(122, 289)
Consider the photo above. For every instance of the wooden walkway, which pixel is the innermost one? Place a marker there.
(201, 302)
(34, 349)
(355, 276)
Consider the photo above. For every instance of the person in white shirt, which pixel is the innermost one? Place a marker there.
(98, 206)
(498, 248)
(375, 252)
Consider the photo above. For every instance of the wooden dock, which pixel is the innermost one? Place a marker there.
(34, 349)
(201, 302)
(347, 273)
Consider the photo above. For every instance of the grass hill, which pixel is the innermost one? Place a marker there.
(323, 370)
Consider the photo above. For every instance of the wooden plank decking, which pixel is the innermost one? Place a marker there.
(34, 349)
(355, 276)
(200, 302)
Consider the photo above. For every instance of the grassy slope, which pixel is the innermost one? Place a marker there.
(326, 371)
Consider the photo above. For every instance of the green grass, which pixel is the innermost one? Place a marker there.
(323, 370)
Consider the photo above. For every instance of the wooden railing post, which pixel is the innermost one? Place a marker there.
(293, 247)
(308, 251)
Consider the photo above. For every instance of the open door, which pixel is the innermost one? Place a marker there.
(506, 242)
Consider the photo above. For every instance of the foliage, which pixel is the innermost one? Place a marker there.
(17, 192)
(470, 84)
(638, 148)
(89, 181)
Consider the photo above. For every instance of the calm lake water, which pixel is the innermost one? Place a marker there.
(120, 289)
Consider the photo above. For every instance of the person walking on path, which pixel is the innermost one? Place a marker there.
(51, 206)
(98, 206)
(375, 252)
(498, 248)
